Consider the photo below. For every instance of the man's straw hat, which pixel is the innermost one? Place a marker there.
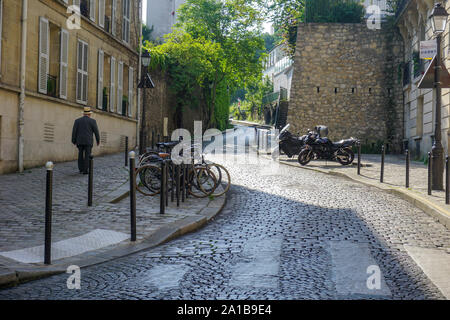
(87, 110)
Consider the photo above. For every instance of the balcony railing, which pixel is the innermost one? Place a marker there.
(406, 73)
(272, 97)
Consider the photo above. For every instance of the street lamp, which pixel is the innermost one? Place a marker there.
(146, 83)
(438, 23)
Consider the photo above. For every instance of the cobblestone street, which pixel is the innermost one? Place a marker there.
(284, 233)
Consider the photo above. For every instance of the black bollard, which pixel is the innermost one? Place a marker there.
(126, 151)
(48, 214)
(407, 168)
(132, 155)
(359, 157)
(429, 173)
(183, 182)
(247, 145)
(178, 169)
(166, 190)
(162, 200)
(153, 140)
(91, 180)
(447, 181)
(188, 166)
(382, 164)
(159, 137)
(172, 191)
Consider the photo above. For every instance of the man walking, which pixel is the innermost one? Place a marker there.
(83, 128)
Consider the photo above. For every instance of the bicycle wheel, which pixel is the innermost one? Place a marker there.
(223, 180)
(150, 177)
(202, 182)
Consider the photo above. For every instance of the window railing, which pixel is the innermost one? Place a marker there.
(52, 86)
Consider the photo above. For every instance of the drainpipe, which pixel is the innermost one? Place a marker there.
(138, 112)
(21, 121)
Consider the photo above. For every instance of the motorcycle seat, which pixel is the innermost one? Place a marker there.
(342, 142)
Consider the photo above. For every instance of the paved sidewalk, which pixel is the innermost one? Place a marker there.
(394, 180)
(84, 235)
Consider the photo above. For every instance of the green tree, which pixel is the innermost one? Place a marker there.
(212, 51)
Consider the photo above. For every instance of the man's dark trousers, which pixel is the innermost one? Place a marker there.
(84, 152)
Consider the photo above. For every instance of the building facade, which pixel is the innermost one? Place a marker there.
(419, 104)
(279, 69)
(162, 15)
(58, 56)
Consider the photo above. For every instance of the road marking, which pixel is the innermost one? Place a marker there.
(350, 265)
(164, 276)
(262, 266)
(435, 264)
(93, 240)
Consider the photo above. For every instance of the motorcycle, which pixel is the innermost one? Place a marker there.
(317, 147)
(288, 143)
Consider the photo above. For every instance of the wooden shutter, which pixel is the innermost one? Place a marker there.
(100, 79)
(126, 21)
(63, 64)
(130, 90)
(44, 47)
(119, 87)
(113, 17)
(82, 72)
(101, 13)
(112, 93)
(92, 10)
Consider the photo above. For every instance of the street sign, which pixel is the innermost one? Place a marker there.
(427, 81)
(428, 49)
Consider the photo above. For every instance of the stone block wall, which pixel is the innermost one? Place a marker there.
(345, 77)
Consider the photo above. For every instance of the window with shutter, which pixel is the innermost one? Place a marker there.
(44, 47)
(119, 87)
(126, 21)
(112, 94)
(100, 79)
(82, 72)
(130, 90)
(63, 64)
(92, 9)
(113, 17)
(101, 13)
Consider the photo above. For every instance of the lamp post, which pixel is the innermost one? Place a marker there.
(146, 82)
(438, 19)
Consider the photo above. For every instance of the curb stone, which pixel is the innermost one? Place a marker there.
(21, 273)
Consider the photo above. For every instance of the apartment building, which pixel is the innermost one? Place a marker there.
(162, 15)
(419, 104)
(56, 57)
(279, 69)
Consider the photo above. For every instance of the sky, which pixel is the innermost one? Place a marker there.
(266, 25)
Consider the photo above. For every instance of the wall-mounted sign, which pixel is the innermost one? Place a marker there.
(428, 49)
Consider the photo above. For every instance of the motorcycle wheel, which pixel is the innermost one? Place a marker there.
(345, 156)
(304, 157)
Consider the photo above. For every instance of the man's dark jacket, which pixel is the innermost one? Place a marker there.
(83, 128)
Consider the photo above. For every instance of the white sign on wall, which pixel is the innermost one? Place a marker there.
(428, 49)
